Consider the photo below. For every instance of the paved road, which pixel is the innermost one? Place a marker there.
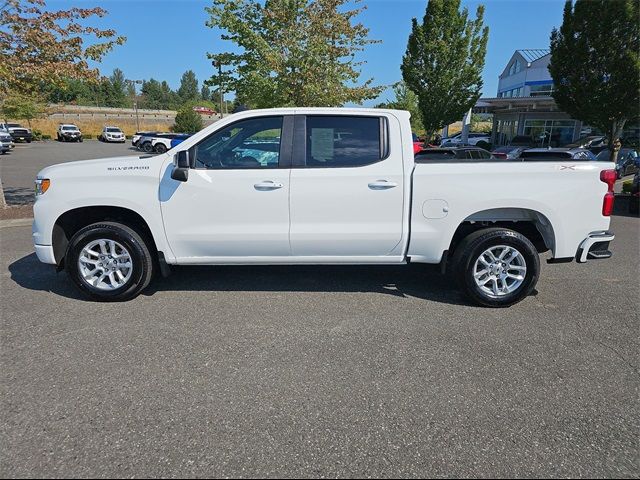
(320, 371)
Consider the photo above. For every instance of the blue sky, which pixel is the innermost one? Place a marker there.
(167, 37)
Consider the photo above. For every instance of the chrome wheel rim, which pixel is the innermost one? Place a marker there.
(105, 264)
(499, 271)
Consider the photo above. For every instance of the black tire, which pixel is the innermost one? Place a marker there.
(80, 139)
(141, 258)
(58, 137)
(160, 148)
(472, 247)
(147, 148)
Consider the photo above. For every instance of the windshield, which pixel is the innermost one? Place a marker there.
(69, 127)
(114, 130)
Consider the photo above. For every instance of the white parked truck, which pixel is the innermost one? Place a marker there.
(318, 186)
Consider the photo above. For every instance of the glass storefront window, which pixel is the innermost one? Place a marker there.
(550, 133)
(505, 131)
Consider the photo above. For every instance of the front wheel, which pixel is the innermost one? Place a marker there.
(160, 148)
(496, 267)
(109, 262)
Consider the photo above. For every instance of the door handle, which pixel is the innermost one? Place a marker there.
(267, 185)
(382, 185)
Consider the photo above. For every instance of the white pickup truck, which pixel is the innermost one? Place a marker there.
(318, 186)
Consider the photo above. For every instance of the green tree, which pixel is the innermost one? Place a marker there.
(22, 107)
(158, 95)
(188, 90)
(595, 64)
(40, 46)
(205, 93)
(444, 61)
(405, 99)
(293, 52)
(117, 90)
(187, 121)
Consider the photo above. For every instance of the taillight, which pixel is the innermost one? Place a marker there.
(609, 177)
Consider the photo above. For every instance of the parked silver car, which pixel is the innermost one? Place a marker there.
(6, 142)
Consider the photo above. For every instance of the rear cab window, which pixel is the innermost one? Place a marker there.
(344, 141)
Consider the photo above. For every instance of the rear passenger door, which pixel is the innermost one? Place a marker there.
(346, 186)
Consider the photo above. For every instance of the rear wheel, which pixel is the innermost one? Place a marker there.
(496, 267)
(109, 262)
(146, 147)
(160, 148)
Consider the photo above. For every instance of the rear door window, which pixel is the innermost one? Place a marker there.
(344, 141)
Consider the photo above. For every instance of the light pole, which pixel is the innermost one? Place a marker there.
(218, 64)
(135, 100)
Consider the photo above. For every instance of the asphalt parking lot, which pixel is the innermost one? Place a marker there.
(19, 168)
(318, 371)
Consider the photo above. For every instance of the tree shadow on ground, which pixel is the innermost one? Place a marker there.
(18, 195)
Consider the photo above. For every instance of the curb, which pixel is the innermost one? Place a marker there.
(16, 222)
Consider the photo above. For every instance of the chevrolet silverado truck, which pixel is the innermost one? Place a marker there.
(319, 186)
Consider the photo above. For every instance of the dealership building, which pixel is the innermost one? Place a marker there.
(524, 106)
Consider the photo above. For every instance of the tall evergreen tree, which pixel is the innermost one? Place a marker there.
(158, 95)
(117, 90)
(188, 90)
(595, 64)
(294, 52)
(205, 93)
(444, 61)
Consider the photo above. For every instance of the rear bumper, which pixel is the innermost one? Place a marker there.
(595, 247)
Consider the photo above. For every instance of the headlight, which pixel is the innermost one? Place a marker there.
(42, 185)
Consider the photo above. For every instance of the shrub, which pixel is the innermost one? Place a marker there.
(87, 136)
(46, 137)
(37, 134)
(187, 121)
(626, 186)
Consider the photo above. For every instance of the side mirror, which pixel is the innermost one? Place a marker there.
(181, 166)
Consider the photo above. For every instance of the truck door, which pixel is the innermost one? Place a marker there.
(235, 202)
(347, 186)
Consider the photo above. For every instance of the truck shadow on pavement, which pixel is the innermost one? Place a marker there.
(418, 281)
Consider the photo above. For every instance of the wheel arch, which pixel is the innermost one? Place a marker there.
(531, 223)
(71, 221)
